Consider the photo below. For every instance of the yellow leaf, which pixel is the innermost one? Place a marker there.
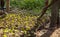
(5, 35)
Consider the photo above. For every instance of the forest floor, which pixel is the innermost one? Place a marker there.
(42, 33)
(56, 33)
(18, 22)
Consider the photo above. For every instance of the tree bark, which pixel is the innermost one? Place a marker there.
(54, 14)
(7, 5)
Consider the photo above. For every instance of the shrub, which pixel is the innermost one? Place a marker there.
(27, 4)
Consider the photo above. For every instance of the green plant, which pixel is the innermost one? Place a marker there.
(27, 4)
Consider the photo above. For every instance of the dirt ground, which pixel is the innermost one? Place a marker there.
(56, 33)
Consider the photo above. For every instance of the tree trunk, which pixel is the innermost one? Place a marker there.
(7, 5)
(54, 15)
